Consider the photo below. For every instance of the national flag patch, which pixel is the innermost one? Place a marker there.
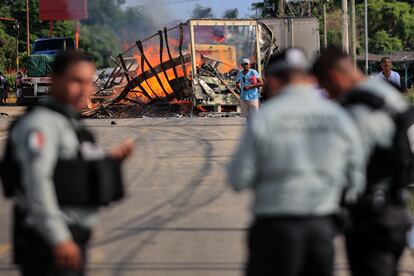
(36, 141)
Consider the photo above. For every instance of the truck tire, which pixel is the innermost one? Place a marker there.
(27, 96)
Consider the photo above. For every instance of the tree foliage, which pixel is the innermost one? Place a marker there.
(7, 51)
(109, 25)
(202, 12)
(390, 23)
(231, 13)
(383, 43)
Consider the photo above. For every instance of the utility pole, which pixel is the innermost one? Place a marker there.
(325, 32)
(16, 26)
(366, 38)
(353, 32)
(27, 27)
(77, 33)
(345, 26)
(281, 8)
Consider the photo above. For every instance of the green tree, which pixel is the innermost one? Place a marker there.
(391, 24)
(383, 43)
(100, 43)
(202, 12)
(108, 26)
(231, 13)
(7, 51)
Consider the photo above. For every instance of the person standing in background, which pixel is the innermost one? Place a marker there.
(19, 86)
(387, 73)
(248, 81)
(3, 89)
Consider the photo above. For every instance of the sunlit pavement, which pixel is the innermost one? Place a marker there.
(179, 218)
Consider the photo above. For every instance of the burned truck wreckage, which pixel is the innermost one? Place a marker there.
(193, 64)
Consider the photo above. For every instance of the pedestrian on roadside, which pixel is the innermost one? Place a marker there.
(248, 81)
(19, 86)
(58, 176)
(388, 74)
(377, 239)
(3, 88)
(298, 154)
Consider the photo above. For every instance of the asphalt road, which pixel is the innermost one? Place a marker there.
(179, 217)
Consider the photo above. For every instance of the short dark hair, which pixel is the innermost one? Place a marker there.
(65, 59)
(385, 58)
(327, 61)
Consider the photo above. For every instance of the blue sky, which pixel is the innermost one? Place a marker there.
(181, 9)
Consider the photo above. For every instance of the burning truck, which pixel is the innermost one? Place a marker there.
(194, 64)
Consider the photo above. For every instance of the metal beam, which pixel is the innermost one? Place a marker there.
(222, 22)
(7, 19)
(192, 46)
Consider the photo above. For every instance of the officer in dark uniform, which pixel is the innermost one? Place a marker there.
(377, 239)
(55, 156)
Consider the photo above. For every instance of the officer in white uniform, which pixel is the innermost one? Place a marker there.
(51, 239)
(298, 155)
(377, 238)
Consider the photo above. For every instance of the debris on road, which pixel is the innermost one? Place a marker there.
(155, 76)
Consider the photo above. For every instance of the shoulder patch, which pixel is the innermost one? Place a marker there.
(36, 141)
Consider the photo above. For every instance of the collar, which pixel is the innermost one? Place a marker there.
(306, 89)
(58, 106)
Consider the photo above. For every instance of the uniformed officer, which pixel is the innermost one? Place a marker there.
(299, 152)
(378, 236)
(51, 238)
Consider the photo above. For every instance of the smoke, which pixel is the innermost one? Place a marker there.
(161, 11)
(129, 20)
(144, 18)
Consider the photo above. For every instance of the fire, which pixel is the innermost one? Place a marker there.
(221, 56)
(152, 85)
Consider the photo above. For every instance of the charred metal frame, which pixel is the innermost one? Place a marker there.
(223, 22)
(126, 78)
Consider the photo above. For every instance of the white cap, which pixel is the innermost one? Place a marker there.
(289, 59)
(245, 60)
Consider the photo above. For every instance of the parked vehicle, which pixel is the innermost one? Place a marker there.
(37, 82)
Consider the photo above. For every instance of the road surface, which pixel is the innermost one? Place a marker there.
(180, 218)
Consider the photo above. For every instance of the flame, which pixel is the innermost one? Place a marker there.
(221, 56)
(152, 53)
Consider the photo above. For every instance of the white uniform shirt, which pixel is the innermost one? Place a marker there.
(394, 78)
(298, 154)
(40, 139)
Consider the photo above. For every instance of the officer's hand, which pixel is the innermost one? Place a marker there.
(247, 87)
(68, 256)
(124, 150)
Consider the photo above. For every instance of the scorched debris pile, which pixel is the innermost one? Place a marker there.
(160, 68)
